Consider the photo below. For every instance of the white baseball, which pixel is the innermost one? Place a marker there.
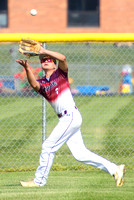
(33, 12)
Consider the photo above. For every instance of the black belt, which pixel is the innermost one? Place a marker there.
(64, 113)
(61, 114)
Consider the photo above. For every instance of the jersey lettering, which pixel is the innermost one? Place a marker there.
(49, 87)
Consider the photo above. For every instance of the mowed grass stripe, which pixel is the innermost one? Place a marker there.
(16, 105)
(101, 129)
(74, 185)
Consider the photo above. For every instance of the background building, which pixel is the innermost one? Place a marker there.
(63, 16)
(67, 16)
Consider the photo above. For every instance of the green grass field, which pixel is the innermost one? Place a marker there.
(107, 130)
(67, 185)
(108, 125)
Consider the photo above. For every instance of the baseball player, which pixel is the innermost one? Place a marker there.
(55, 88)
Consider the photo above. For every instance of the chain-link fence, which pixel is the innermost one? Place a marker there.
(101, 78)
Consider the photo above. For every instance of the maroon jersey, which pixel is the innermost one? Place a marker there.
(57, 91)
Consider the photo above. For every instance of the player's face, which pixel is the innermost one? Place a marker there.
(47, 63)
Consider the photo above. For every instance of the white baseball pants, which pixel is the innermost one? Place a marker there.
(68, 130)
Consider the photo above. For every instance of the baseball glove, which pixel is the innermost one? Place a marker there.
(29, 47)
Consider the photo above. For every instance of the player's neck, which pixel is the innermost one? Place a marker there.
(49, 72)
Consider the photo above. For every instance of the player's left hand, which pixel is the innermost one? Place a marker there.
(24, 63)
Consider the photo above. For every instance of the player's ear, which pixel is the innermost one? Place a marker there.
(54, 66)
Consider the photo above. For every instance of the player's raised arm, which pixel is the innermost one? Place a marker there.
(31, 79)
(32, 48)
(58, 56)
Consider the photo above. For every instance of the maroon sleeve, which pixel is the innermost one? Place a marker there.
(64, 74)
(40, 90)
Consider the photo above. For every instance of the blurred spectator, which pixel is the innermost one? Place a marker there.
(126, 85)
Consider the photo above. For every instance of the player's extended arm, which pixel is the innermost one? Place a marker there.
(58, 56)
(30, 76)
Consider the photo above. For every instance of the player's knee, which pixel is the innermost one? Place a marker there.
(79, 156)
(46, 147)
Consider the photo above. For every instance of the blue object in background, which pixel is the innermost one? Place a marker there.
(8, 82)
(91, 90)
